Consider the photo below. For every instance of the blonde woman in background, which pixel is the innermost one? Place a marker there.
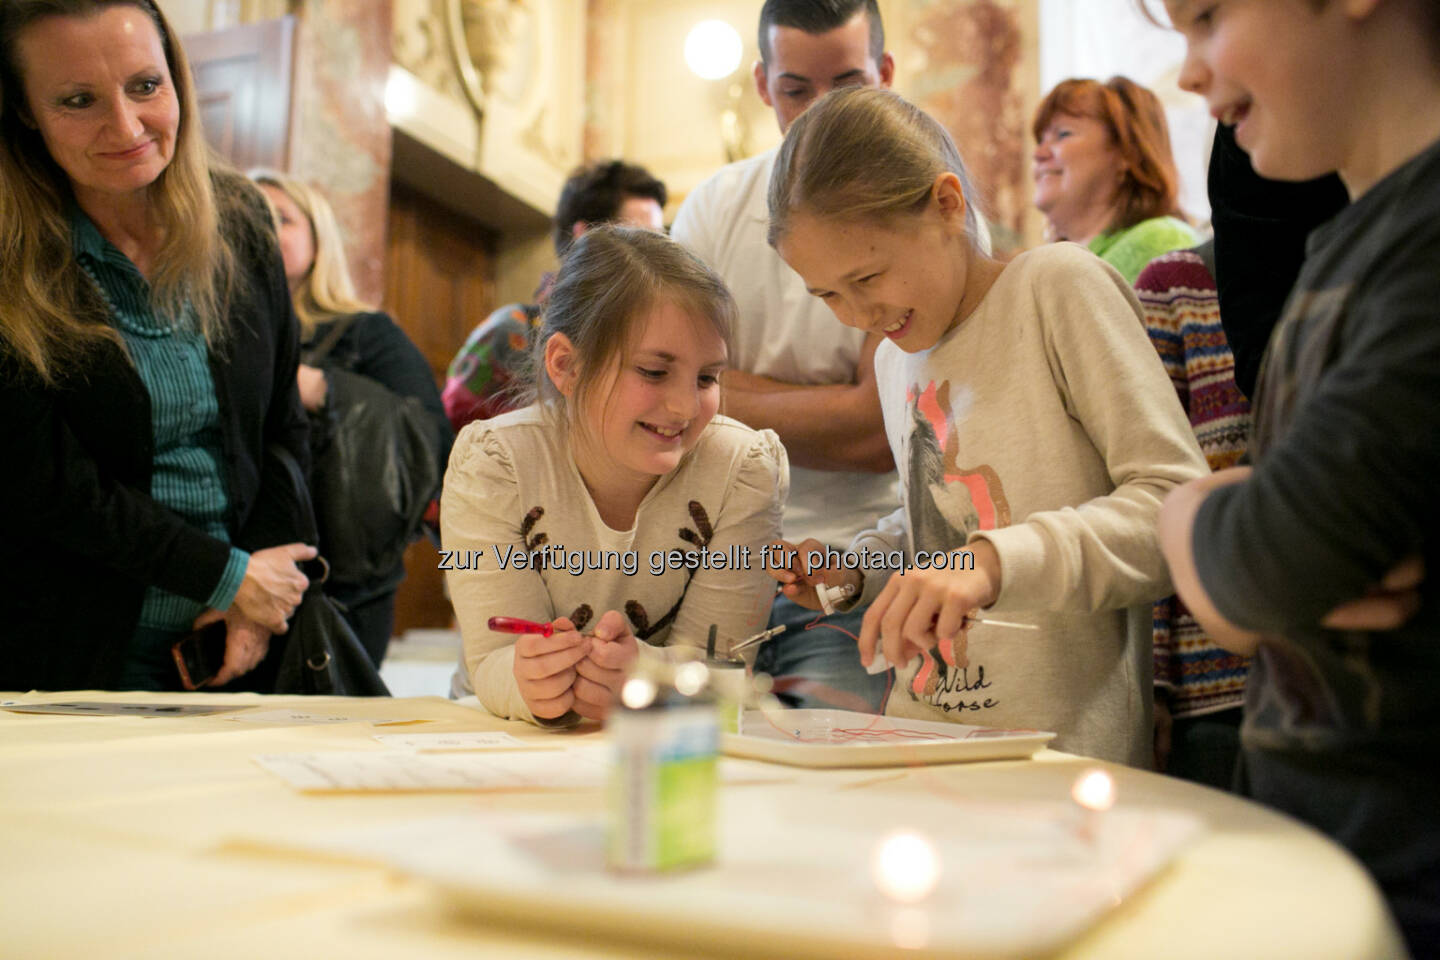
(147, 359)
(357, 364)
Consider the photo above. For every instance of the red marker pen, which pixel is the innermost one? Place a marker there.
(517, 625)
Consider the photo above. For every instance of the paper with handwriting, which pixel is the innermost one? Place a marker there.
(305, 716)
(470, 740)
(572, 768)
(397, 770)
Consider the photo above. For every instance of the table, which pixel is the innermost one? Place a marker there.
(115, 835)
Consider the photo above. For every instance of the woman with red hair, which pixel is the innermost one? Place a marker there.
(1104, 175)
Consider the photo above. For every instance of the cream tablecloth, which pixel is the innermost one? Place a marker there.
(116, 840)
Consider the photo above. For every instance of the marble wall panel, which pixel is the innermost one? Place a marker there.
(341, 135)
(972, 64)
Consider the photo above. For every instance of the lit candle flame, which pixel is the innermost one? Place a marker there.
(690, 678)
(907, 867)
(1094, 790)
(638, 693)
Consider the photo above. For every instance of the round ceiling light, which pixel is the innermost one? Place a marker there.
(712, 49)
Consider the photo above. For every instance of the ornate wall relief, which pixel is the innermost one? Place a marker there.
(421, 43)
(518, 66)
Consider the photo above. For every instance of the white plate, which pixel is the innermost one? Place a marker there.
(841, 738)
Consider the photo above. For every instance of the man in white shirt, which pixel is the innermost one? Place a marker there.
(794, 369)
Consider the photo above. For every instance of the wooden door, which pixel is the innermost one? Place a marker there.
(244, 79)
(439, 285)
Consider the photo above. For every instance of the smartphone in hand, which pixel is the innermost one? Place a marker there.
(200, 654)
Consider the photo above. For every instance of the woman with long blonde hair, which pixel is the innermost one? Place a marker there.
(148, 357)
(361, 381)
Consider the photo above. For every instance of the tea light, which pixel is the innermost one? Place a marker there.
(690, 678)
(638, 693)
(907, 867)
(1093, 793)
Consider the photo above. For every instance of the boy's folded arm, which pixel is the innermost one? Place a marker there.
(824, 427)
(1177, 520)
(1338, 501)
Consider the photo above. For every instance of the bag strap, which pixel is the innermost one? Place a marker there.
(322, 349)
(288, 477)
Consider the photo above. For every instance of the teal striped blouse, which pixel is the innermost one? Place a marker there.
(187, 474)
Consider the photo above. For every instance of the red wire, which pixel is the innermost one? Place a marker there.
(934, 784)
(868, 733)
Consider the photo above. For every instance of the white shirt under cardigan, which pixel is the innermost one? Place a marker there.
(513, 487)
(781, 332)
(1045, 424)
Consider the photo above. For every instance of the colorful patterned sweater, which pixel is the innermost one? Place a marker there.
(1182, 316)
(489, 371)
(485, 374)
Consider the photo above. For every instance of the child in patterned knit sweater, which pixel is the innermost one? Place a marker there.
(1199, 687)
(581, 509)
(1032, 426)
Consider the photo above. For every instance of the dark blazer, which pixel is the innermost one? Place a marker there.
(80, 537)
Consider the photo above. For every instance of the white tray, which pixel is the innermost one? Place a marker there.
(1016, 881)
(841, 738)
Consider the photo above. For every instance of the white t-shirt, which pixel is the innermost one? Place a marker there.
(783, 333)
(512, 492)
(1045, 424)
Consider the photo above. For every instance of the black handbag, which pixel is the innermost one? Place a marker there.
(320, 654)
(376, 474)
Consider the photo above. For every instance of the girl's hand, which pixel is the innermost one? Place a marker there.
(798, 579)
(612, 649)
(920, 610)
(544, 668)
